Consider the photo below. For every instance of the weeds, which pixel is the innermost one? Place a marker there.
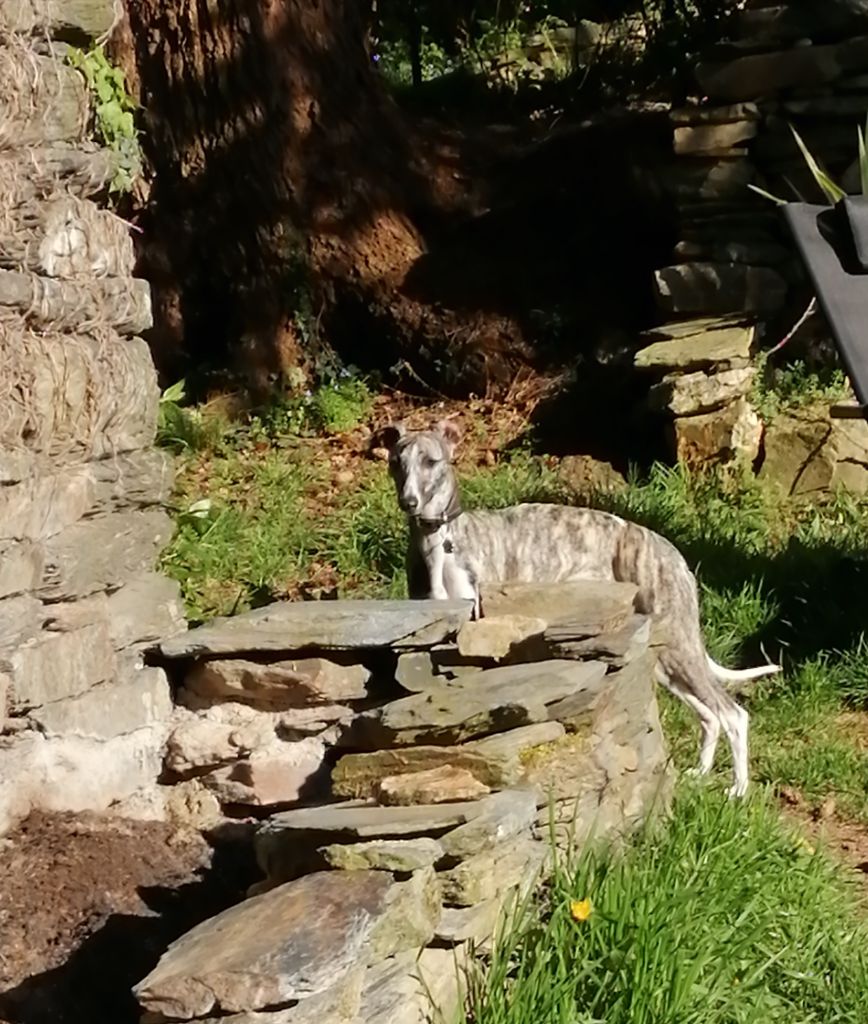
(724, 917)
(114, 111)
(796, 387)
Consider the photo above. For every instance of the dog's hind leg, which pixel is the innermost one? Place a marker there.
(715, 710)
(709, 723)
(735, 721)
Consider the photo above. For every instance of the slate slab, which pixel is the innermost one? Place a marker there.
(442, 785)
(329, 625)
(494, 760)
(402, 855)
(601, 605)
(490, 873)
(290, 943)
(490, 701)
(501, 817)
(286, 839)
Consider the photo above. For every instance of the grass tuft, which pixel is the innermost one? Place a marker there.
(723, 917)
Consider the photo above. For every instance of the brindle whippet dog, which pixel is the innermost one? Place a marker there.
(452, 552)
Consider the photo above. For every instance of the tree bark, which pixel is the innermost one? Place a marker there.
(285, 185)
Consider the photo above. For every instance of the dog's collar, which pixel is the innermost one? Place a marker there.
(434, 524)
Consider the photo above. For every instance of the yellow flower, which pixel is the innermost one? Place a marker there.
(581, 910)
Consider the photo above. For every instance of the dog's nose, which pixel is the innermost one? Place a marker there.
(409, 503)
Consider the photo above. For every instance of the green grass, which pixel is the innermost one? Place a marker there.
(723, 917)
(794, 386)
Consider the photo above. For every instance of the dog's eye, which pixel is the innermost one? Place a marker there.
(428, 462)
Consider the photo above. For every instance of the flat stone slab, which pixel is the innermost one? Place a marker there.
(328, 625)
(384, 854)
(601, 606)
(278, 684)
(487, 702)
(290, 943)
(287, 838)
(488, 874)
(442, 785)
(408, 989)
(494, 760)
(728, 346)
(503, 816)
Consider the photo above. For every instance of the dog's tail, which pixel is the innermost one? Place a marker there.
(734, 678)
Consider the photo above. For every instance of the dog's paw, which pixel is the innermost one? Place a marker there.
(737, 791)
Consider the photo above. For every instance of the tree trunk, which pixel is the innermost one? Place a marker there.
(283, 177)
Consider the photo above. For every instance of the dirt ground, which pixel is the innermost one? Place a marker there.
(845, 840)
(88, 905)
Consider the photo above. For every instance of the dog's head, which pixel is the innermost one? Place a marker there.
(420, 463)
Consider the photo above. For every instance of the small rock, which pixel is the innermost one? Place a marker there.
(416, 672)
(280, 684)
(713, 137)
(602, 606)
(411, 989)
(701, 392)
(733, 432)
(188, 805)
(502, 816)
(359, 775)
(719, 288)
(213, 737)
(587, 475)
(400, 855)
(434, 786)
(490, 701)
(471, 924)
(286, 837)
(725, 347)
(715, 115)
(486, 875)
(507, 752)
(496, 635)
(339, 1004)
(283, 773)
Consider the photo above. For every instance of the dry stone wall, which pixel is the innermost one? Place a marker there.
(403, 771)
(734, 270)
(82, 491)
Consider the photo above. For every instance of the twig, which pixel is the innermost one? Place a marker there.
(809, 312)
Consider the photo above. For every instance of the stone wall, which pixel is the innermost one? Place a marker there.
(403, 771)
(82, 722)
(735, 276)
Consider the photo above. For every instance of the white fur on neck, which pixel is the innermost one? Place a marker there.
(447, 578)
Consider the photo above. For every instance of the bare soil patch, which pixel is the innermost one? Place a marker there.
(844, 839)
(88, 905)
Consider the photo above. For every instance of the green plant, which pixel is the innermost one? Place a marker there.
(795, 387)
(114, 110)
(183, 429)
(830, 189)
(725, 916)
(339, 404)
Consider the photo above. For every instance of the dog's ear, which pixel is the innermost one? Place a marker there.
(389, 436)
(451, 434)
